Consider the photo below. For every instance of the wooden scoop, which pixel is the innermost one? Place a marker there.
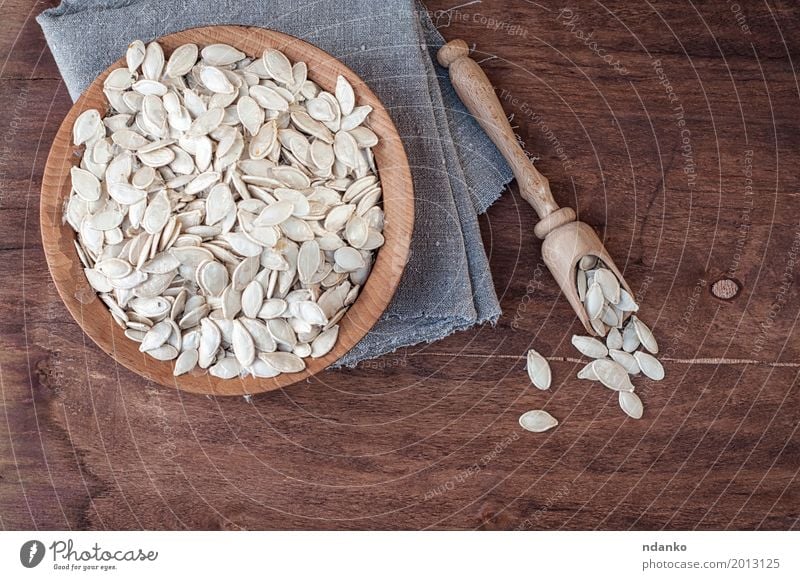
(566, 241)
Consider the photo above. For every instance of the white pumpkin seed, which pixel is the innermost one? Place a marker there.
(594, 301)
(587, 373)
(645, 335)
(608, 283)
(630, 340)
(285, 362)
(631, 404)
(156, 336)
(85, 184)
(221, 54)
(612, 375)
(227, 368)
(626, 302)
(278, 66)
(324, 342)
(185, 362)
(650, 365)
(243, 347)
(627, 360)
(537, 421)
(86, 127)
(589, 346)
(164, 352)
(587, 262)
(252, 299)
(614, 339)
(538, 370)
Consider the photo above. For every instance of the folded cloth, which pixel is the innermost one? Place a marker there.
(392, 46)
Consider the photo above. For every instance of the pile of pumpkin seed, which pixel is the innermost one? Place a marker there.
(227, 209)
(627, 351)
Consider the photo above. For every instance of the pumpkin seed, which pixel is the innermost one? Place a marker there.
(627, 360)
(645, 335)
(612, 375)
(538, 370)
(537, 421)
(589, 346)
(631, 404)
(650, 365)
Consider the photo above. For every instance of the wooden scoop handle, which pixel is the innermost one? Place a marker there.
(477, 93)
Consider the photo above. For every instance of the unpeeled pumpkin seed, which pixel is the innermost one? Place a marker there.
(594, 301)
(612, 375)
(587, 262)
(219, 201)
(626, 360)
(614, 339)
(631, 404)
(537, 421)
(185, 362)
(587, 373)
(645, 335)
(610, 309)
(608, 283)
(164, 352)
(630, 340)
(649, 365)
(538, 370)
(324, 342)
(589, 346)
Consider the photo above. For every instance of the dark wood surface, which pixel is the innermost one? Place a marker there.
(428, 437)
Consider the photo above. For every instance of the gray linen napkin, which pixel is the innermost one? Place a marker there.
(391, 45)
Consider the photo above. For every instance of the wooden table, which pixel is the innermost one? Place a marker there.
(672, 127)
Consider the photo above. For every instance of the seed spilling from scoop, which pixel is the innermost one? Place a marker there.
(610, 309)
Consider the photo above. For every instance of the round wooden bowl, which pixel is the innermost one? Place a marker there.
(398, 203)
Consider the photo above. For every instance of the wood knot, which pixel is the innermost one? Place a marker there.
(493, 516)
(48, 374)
(725, 289)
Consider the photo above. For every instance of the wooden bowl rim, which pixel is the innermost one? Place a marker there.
(398, 198)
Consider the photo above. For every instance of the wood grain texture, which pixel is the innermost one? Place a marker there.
(398, 205)
(427, 437)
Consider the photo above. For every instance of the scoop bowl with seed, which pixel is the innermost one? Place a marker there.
(227, 210)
